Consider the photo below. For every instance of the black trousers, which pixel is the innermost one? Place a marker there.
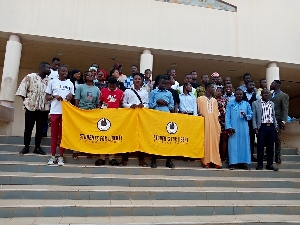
(32, 117)
(278, 140)
(252, 137)
(265, 137)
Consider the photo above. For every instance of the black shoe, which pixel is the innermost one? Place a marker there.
(39, 151)
(253, 159)
(272, 168)
(99, 162)
(170, 164)
(153, 164)
(265, 158)
(24, 151)
(259, 168)
(113, 162)
(277, 160)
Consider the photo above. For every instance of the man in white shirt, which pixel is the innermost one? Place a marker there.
(187, 79)
(172, 72)
(187, 103)
(265, 126)
(54, 66)
(58, 90)
(136, 97)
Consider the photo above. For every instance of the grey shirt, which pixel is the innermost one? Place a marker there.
(88, 96)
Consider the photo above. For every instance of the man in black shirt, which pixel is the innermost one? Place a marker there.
(194, 79)
(250, 96)
(174, 92)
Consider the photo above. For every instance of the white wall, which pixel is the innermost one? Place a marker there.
(264, 30)
(16, 128)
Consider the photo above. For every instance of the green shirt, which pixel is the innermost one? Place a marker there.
(88, 96)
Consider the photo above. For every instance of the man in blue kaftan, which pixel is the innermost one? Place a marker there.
(238, 112)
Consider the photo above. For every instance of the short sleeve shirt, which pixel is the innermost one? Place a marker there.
(88, 96)
(61, 88)
(113, 99)
(32, 88)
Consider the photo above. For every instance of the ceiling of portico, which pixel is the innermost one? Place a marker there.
(78, 54)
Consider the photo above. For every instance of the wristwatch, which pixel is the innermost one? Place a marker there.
(283, 122)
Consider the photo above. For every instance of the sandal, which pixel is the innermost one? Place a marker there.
(218, 167)
(206, 165)
(143, 164)
(247, 168)
(75, 155)
(123, 163)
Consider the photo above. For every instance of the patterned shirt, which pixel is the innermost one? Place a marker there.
(128, 83)
(222, 103)
(266, 112)
(200, 91)
(33, 88)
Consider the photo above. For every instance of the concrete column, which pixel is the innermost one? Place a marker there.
(10, 71)
(272, 73)
(146, 61)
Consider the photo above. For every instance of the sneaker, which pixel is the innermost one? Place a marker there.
(60, 161)
(52, 160)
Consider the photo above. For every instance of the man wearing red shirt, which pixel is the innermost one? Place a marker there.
(110, 97)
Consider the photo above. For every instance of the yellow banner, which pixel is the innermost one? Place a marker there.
(99, 131)
(171, 134)
(110, 131)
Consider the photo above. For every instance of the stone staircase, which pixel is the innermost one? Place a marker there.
(80, 193)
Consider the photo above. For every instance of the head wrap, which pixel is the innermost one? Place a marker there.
(93, 68)
(104, 73)
(215, 74)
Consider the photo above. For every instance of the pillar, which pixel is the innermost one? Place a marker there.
(146, 61)
(10, 71)
(272, 73)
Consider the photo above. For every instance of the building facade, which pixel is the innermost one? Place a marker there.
(232, 38)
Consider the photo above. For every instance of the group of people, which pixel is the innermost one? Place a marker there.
(232, 116)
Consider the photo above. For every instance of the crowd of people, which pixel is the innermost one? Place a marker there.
(234, 117)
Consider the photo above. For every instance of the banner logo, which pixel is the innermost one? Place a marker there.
(172, 128)
(103, 124)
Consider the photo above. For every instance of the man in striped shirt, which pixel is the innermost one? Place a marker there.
(265, 126)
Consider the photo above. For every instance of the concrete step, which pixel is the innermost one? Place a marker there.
(42, 167)
(16, 144)
(20, 140)
(67, 179)
(55, 192)
(116, 208)
(243, 219)
(31, 157)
